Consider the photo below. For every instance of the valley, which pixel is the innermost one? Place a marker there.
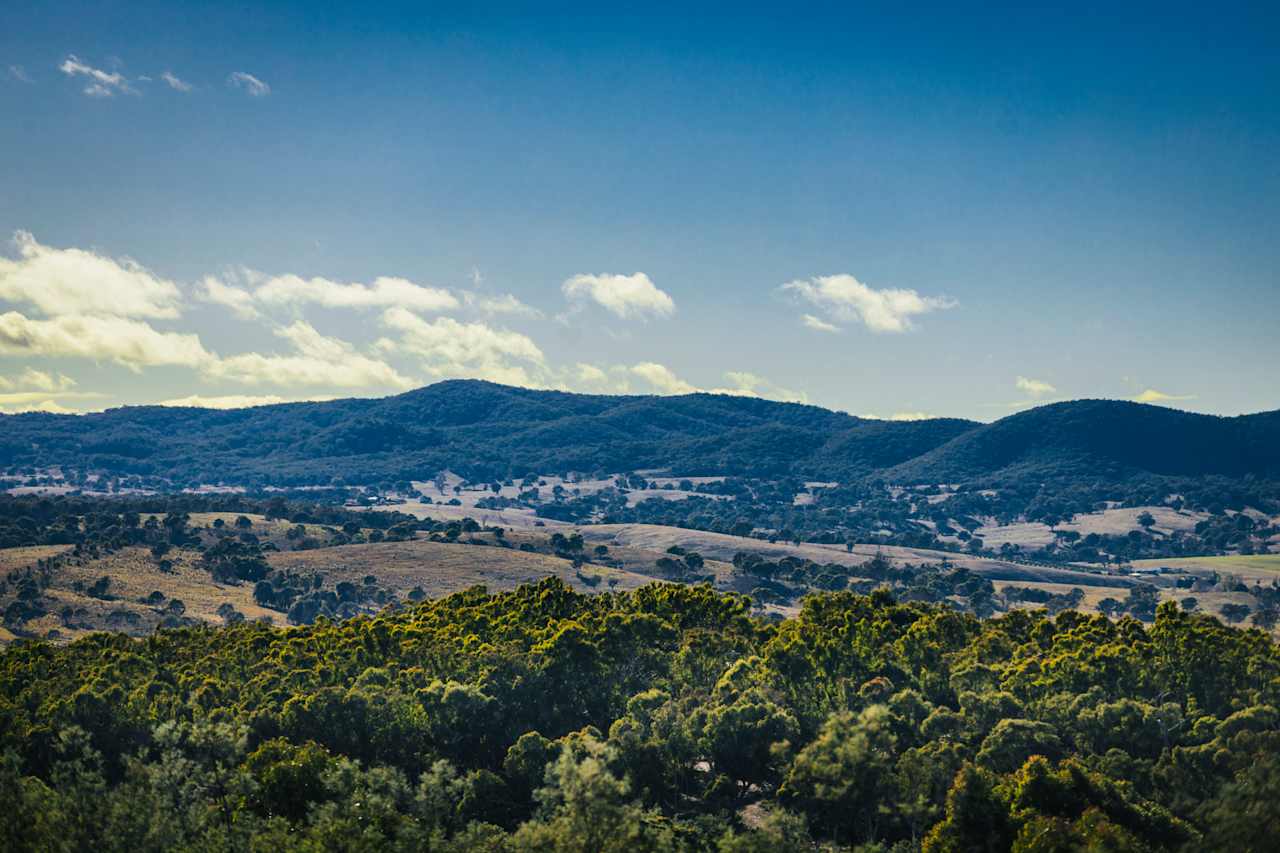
(502, 593)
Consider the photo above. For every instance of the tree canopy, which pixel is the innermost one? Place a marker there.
(668, 718)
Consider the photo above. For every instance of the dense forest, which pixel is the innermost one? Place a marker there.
(486, 431)
(668, 718)
(473, 427)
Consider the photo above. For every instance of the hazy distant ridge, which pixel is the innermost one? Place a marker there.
(482, 429)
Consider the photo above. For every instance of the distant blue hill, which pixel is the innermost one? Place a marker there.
(485, 430)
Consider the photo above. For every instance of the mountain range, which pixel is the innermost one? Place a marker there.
(484, 430)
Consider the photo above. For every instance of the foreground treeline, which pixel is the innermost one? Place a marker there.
(664, 719)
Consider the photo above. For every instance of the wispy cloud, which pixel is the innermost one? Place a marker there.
(654, 377)
(1034, 387)
(16, 404)
(818, 324)
(1151, 395)
(17, 72)
(662, 378)
(37, 380)
(246, 81)
(900, 416)
(235, 401)
(504, 304)
(743, 383)
(589, 374)
(844, 298)
(292, 291)
(38, 391)
(175, 82)
(98, 83)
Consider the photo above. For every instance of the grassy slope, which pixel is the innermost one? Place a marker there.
(720, 546)
(1263, 565)
(441, 567)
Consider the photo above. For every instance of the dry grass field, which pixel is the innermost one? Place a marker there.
(632, 558)
(513, 518)
(1264, 567)
(441, 568)
(629, 560)
(1206, 602)
(20, 558)
(1108, 521)
(722, 547)
(438, 568)
(642, 495)
(134, 575)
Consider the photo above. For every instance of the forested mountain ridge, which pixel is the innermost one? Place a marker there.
(477, 428)
(1104, 438)
(482, 430)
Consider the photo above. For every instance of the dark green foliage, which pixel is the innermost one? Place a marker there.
(1070, 440)
(485, 430)
(542, 719)
(480, 429)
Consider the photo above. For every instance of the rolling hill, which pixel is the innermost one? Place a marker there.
(1102, 438)
(477, 428)
(483, 430)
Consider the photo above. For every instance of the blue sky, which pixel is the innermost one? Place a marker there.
(953, 212)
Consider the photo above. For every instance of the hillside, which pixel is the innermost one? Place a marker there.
(483, 430)
(477, 428)
(1102, 438)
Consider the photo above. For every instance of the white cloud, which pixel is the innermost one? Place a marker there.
(17, 72)
(745, 380)
(900, 416)
(818, 324)
(317, 360)
(38, 380)
(448, 347)
(98, 83)
(251, 84)
(663, 380)
(131, 343)
(624, 295)
(590, 374)
(749, 384)
(175, 82)
(247, 291)
(1034, 387)
(16, 404)
(238, 300)
(1151, 395)
(37, 391)
(660, 379)
(504, 304)
(385, 292)
(849, 300)
(294, 291)
(234, 401)
(88, 306)
(74, 281)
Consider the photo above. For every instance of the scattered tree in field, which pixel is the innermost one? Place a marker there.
(1234, 612)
